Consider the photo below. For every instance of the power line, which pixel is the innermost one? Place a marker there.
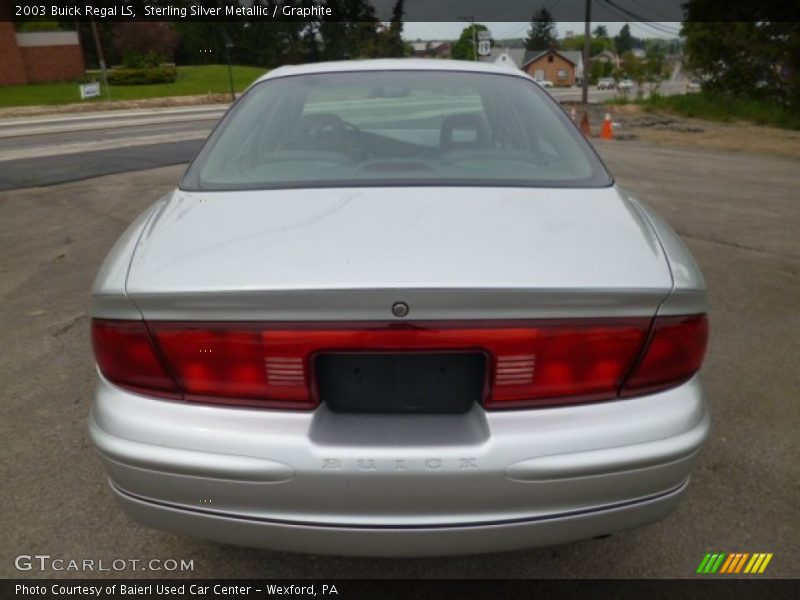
(643, 21)
(639, 19)
(652, 10)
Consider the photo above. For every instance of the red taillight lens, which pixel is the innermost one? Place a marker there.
(126, 357)
(675, 352)
(561, 364)
(233, 364)
(535, 363)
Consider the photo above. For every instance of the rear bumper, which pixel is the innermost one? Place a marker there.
(400, 541)
(399, 485)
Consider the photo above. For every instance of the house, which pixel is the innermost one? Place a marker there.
(511, 57)
(607, 56)
(561, 67)
(432, 49)
(31, 57)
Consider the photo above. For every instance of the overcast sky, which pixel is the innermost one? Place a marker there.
(443, 30)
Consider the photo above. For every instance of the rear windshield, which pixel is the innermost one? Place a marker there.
(376, 128)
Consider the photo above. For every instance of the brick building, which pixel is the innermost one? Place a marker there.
(561, 67)
(38, 56)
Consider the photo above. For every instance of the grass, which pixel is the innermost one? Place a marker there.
(191, 81)
(715, 108)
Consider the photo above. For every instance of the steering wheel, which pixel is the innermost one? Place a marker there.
(321, 128)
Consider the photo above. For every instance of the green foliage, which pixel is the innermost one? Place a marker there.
(142, 76)
(145, 44)
(755, 60)
(713, 107)
(142, 60)
(355, 36)
(624, 41)
(633, 68)
(207, 79)
(596, 45)
(464, 48)
(600, 69)
(655, 67)
(392, 44)
(542, 34)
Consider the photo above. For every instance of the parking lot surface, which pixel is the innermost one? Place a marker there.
(737, 212)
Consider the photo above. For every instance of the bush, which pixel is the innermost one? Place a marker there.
(146, 76)
(147, 60)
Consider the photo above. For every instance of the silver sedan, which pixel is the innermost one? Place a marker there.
(398, 307)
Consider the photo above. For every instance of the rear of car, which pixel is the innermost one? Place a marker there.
(397, 308)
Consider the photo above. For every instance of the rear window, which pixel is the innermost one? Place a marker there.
(376, 128)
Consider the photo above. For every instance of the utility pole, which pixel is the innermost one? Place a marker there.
(586, 49)
(474, 41)
(471, 20)
(100, 57)
(228, 46)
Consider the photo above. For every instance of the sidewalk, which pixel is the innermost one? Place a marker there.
(94, 108)
(105, 119)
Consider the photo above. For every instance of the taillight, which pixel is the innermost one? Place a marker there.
(126, 357)
(674, 353)
(532, 363)
(232, 364)
(557, 364)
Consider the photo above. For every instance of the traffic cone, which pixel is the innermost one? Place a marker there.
(572, 114)
(606, 131)
(585, 127)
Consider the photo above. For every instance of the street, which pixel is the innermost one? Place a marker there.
(87, 145)
(736, 211)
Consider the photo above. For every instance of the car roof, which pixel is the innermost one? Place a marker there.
(392, 64)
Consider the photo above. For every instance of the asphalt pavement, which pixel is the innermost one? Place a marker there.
(737, 212)
(48, 150)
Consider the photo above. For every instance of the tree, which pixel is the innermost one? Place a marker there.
(354, 33)
(633, 68)
(464, 48)
(655, 65)
(543, 31)
(752, 57)
(392, 44)
(145, 43)
(624, 41)
(596, 45)
(600, 31)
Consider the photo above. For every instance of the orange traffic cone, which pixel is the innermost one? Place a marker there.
(585, 128)
(606, 131)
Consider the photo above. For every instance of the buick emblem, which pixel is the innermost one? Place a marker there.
(400, 309)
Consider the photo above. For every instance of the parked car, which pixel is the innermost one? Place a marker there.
(693, 86)
(545, 83)
(606, 83)
(625, 85)
(398, 307)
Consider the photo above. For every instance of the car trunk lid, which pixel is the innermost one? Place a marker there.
(351, 253)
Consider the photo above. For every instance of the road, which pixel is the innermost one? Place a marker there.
(737, 212)
(573, 94)
(79, 146)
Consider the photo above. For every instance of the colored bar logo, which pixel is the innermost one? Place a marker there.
(735, 562)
